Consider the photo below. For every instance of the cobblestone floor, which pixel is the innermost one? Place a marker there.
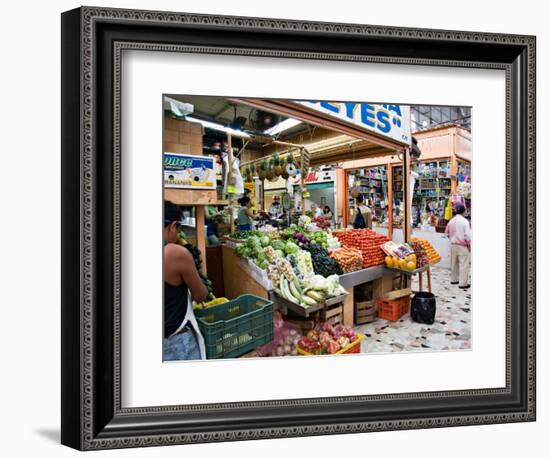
(450, 331)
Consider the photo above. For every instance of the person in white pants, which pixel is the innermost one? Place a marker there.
(458, 231)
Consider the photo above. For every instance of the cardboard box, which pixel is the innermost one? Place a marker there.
(195, 128)
(171, 136)
(177, 148)
(186, 137)
(173, 124)
(195, 149)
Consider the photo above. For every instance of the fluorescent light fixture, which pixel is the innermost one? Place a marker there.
(219, 127)
(282, 126)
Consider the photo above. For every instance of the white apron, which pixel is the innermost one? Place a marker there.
(190, 318)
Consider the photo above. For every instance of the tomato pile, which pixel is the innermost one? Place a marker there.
(367, 241)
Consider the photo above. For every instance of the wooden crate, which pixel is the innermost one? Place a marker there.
(365, 312)
(333, 315)
(304, 324)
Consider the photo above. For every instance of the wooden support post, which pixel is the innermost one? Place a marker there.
(390, 201)
(345, 202)
(201, 234)
(407, 220)
(348, 307)
(229, 180)
(302, 181)
(454, 165)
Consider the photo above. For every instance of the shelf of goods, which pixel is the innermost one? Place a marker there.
(297, 268)
(433, 185)
(372, 184)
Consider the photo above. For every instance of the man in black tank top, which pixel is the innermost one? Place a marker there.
(180, 277)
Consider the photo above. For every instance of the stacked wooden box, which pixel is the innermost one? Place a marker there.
(365, 311)
(182, 137)
(333, 315)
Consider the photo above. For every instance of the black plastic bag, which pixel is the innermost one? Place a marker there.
(423, 308)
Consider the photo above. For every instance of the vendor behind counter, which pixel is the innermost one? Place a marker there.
(244, 214)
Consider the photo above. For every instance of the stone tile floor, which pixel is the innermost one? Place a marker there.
(450, 331)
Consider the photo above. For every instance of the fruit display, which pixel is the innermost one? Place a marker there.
(327, 339)
(366, 241)
(433, 256)
(420, 254)
(212, 303)
(323, 264)
(309, 291)
(406, 263)
(350, 259)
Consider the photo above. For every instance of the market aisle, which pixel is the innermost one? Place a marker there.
(450, 331)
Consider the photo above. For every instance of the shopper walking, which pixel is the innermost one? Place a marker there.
(182, 284)
(458, 231)
(363, 215)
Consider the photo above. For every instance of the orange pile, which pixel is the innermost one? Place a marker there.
(433, 256)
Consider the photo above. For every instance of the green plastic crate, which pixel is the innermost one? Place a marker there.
(236, 327)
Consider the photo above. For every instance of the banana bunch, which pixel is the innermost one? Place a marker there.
(212, 303)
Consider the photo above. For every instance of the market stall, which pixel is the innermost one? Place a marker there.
(315, 281)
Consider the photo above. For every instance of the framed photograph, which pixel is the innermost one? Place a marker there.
(275, 228)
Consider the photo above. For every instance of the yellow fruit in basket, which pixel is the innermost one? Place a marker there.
(395, 262)
(402, 264)
(389, 262)
(411, 265)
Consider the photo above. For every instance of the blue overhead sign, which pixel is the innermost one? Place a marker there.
(392, 121)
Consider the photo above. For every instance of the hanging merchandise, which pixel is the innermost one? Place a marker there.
(464, 189)
(277, 169)
(291, 169)
(263, 170)
(448, 210)
(236, 185)
(458, 200)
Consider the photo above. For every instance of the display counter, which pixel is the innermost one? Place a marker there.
(241, 278)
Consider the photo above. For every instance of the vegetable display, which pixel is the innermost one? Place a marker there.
(311, 290)
(323, 264)
(321, 222)
(350, 259)
(366, 241)
(327, 339)
(243, 235)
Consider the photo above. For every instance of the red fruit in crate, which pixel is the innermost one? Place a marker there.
(333, 347)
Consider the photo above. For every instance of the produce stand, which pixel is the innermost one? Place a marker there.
(239, 280)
